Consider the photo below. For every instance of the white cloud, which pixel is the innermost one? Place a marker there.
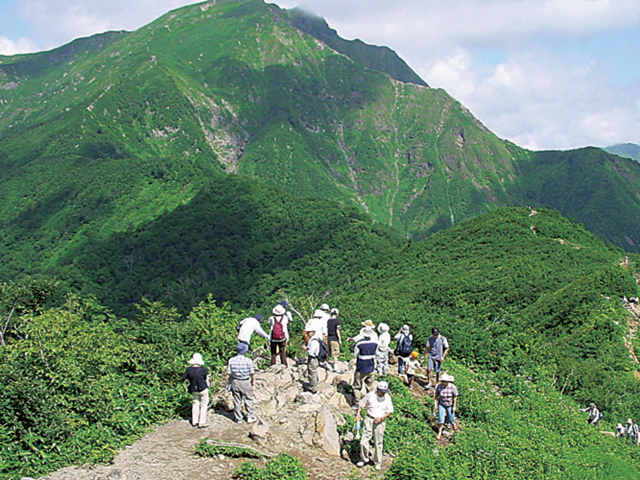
(10, 47)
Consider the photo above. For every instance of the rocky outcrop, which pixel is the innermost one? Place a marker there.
(281, 403)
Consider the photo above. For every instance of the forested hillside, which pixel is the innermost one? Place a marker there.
(529, 301)
(108, 133)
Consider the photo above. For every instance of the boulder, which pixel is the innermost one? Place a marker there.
(326, 434)
(259, 432)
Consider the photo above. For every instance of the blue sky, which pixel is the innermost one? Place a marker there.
(545, 74)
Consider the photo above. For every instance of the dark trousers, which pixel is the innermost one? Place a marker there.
(279, 348)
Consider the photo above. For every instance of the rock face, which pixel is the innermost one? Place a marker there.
(281, 402)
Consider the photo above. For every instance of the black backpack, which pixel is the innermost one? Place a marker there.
(405, 347)
(323, 352)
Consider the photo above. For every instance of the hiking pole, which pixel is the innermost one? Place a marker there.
(357, 429)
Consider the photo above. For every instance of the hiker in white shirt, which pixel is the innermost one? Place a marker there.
(250, 325)
(379, 407)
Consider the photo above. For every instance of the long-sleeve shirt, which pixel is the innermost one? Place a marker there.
(247, 327)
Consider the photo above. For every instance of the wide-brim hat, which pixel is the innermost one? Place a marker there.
(369, 324)
(318, 314)
(324, 307)
(279, 310)
(196, 359)
(629, 420)
(405, 329)
(242, 348)
(383, 327)
(445, 377)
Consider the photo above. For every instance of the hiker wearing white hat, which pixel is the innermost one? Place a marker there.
(365, 353)
(198, 387)
(360, 336)
(379, 407)
(279, 334)
(446, 400)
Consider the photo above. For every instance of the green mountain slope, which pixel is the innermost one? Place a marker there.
(629, 150)
(108, 133)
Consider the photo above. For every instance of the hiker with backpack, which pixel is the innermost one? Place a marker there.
(279, 334)
(199, 389)
(404, 348)
(333, 337)
(365, 353)
(382, 353)
(594, 414)
(317, 351)
(250, 325)
(435, 353)
(317, 323)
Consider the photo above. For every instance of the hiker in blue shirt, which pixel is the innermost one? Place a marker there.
(365, 353)
(435, 353)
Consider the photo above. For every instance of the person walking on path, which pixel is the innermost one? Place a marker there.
(379, 407)
(279, 334)
(199, 388)
(365, 353)
(250, 325)
(594, 414)
(633, 432)
(312, 341)
(404, 347)
(241, 378)
(360, 336)
(382, 353)
(413, 364)
(333, 337)
(446, 401)
(435, 353)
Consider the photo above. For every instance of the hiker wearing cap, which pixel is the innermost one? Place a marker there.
(379, 407)
(333, 337)
(413, 364)
(404, 348)
(198, 387)
(446, 400)
(382, 353)
(317, 324)
(313, 350)
(594, 414)
(366, 324)
(435, 353)
(365, 353)
(250, 325)
(285, 305)
(279, 334)
(241, 378)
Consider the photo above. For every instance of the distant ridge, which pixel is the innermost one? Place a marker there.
(374, 57)
(628, 150)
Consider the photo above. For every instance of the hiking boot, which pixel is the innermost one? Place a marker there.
(378, 466)
(251, 419)
(360, 464)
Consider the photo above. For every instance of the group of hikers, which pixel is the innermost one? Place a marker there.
(322, 342)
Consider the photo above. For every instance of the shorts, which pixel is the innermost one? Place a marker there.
(334, 348)
(434, 365)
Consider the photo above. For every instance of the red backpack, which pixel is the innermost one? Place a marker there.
(277, 333)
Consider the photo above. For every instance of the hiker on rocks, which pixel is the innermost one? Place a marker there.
(241, 379)
(365, 353)
(446, 400)
(404, 348)
(318, 324)
(333, 337)
(250, 325)
(279, 334)
(366, 324)
(199, 388)
(379, 407)
(312, 341)
(435, 353)
(633, 432)
(412, 366)
(594, 414)
(382, 353)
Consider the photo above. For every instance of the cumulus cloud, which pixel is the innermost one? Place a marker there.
(22, 45)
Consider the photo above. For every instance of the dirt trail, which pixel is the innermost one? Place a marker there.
(168, 452)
